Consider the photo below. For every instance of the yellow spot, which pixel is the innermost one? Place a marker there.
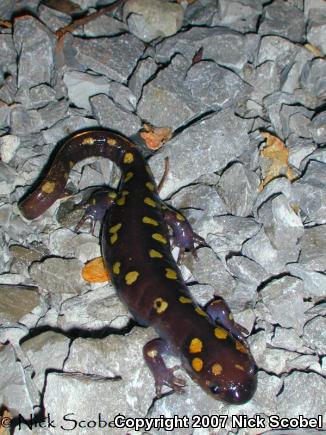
(71, 164)
(230, 316)
(125, 192)
(155, 254)
(150, 186)
(128, 176)
(180, 217)
(152, 353)
(170, 273)
(48, 187)
(200, 312)
(185, 300)
(238, 366)
(160, 305)
(150, 201)
(115, 228)
(217, 369)
(121, 200)
(150, 221)
(111, 141)
(116, 267)
(164, 207)
(88, 141)
(220, 333)
(128, 158)
(112, 195)
(240, 347)
(113, 238)
(196, 345)
(159, 238)
(131, 277)
(197, 364)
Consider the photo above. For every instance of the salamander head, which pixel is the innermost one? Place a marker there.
(222, 366)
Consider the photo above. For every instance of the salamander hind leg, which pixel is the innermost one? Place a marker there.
(163, 375)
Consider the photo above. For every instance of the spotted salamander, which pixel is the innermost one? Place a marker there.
(136, 251)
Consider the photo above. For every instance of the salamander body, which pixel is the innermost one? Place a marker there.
(136, 251)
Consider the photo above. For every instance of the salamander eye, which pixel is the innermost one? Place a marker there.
(215, 389)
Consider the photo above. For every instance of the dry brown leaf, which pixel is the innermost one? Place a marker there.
(5, 420)
(95, 271)
(314, 50)
(278, 155)
(155, 137)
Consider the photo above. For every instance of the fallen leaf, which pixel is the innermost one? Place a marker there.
(198, 56)
(278, 156)
(154, 137)
(95, 271)
(314, 50)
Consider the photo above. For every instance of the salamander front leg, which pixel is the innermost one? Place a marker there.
(98, 204)
(219, 311)
(153, 351)
(184, 236)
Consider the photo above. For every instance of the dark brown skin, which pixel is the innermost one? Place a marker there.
(137, 253)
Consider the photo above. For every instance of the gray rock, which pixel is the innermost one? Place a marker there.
(260, 249)
(316, 28)
(34, 41)
(295, 120)
(46, 351)
(312, 77)
(318, 128)
(267, 391)
(238, 186)
(36, 97)
(289, 339)
(226, 47)
(276, 21)
(15, 389)
(194, 200)
(53, 18)
(264, 79)
(25, 121)
(94, 310)
(294, 384)
(206, 146)
(308, 192)
(23, 257)
(314, 283)
(244, 297)
(82, 86)
(4, 115)
(299, 149)
(16, 301)
(238, 15)
(214, 86)
(7, 8)
(247, 271)
(276, 361)
(282, 301)
(313, 248)
(290, 59)
(67, 126)
(150, 19)
(226, 234)
(8, 147)
(315, 334)
(104, 25)
(282, 225)
(114, 57)
(53, 112)
(8, 55)
(144, 70)
(210, 270)
(169, 92)
(110, 115)
(58, 275)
